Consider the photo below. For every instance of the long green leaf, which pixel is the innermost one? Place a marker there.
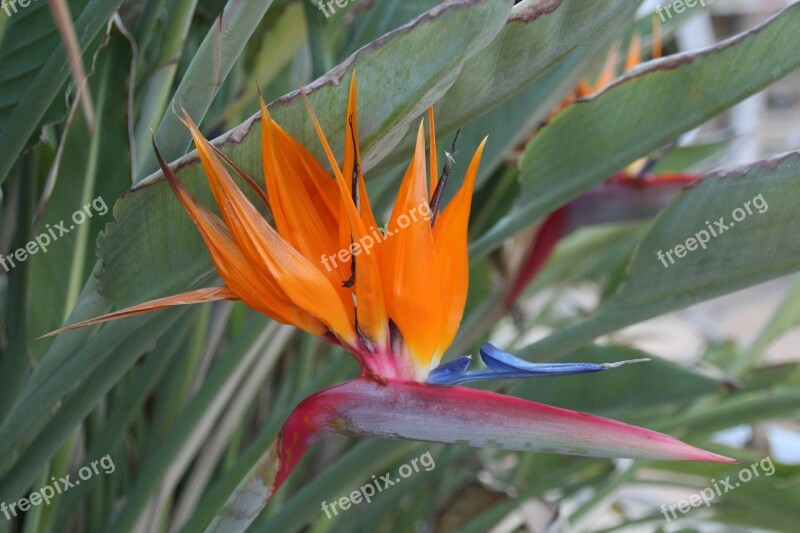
(762, 246)
(208, 69)
(528, 68)
(92, 169)
(208, 403)
(30, 97)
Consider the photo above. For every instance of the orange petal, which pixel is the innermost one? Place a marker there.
(584, 89)
(450, 238)
(310, 190)
(657, 43)
(372, 317)
(316, 180)
(212, 294)
(608, 73)
(256, 288)
(304, 283)
(244, 177)
(352, 156)
(302, 219)
(412, 287)
(371, 311)
(634, 52)
(434, 163)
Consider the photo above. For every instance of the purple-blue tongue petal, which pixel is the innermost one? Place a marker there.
(503, 365)
(449, 372)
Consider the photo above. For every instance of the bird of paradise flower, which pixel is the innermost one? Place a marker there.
(634, 193)
(395, 310)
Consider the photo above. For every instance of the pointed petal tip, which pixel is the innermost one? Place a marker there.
(265, 115)
(727, 460)
(628, 362)
(700, 455)
(211, 294)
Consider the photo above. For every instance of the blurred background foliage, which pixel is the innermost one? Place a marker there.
(186, 400)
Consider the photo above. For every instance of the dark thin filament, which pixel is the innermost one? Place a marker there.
(439, 192)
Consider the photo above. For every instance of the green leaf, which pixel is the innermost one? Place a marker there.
(786, 318)
(594, 253)
(24, 97)
(92, 169)
(624, 393)
(109, 353)
(529, 68)
(74, 409)
(652, 106)
(381, 18)
(691, 158)
(210, 66)
(199, 416)
(762, 246)
(367, 457)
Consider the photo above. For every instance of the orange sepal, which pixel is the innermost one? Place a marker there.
(409, 257)
(302, 216)
(657, 39)
(608, 73)
(634, 52)
(259, 291)
(304, 283)
(452, 255)
(434, 164)
(211, 294)
(371, 310)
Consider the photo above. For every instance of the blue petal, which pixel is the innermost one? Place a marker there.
(503, 365)
(449, 373)
(507, 364)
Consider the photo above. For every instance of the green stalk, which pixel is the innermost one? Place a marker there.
(126, 407)
(205, 406)
(79, 256)
(214, 60)
(605, 491)
(159, 85)
(14, 364)
(314, 25)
